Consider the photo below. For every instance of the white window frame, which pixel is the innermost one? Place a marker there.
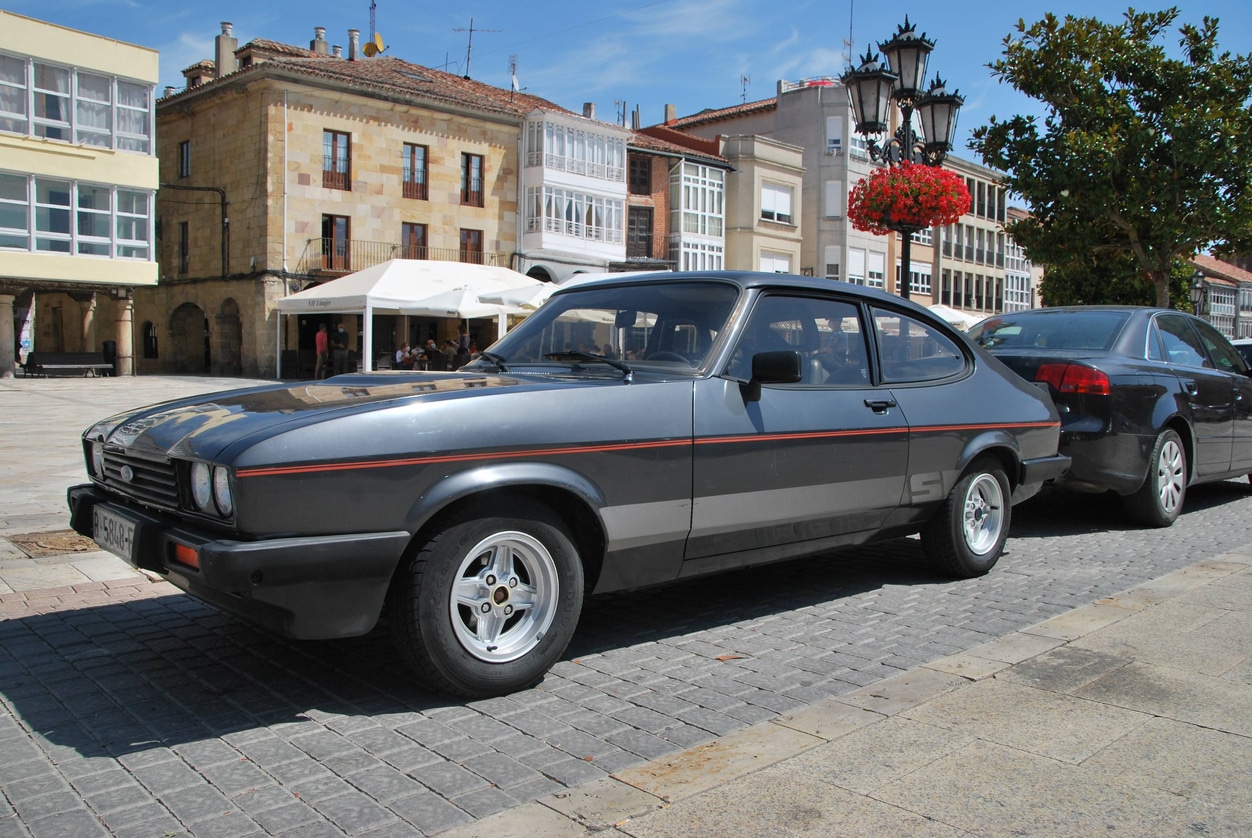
(131, 107)
(856, 265)
(835, 198)
(775, 262)
(831, 260)
(129, 220)
(776, 202)
(875, 269)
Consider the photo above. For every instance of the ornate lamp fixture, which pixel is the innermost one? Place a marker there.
(870, 89)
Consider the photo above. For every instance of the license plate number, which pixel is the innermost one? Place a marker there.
(114, 533)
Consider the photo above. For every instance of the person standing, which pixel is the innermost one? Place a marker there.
(321, 345)
(339, 346)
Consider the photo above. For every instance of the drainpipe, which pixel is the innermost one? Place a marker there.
(221, 194)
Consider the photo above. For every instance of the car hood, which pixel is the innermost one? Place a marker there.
(203, 426)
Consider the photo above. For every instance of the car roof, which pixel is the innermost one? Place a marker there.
(745, 280)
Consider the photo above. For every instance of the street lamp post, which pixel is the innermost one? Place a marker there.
(871, 88)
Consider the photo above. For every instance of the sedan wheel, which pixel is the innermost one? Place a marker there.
(966, 535)
(1159, 500)
(489, 604)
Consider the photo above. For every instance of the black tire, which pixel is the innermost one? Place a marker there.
(1158, 502)
(966, 535)
(521, 570)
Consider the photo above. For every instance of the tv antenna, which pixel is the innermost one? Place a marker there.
(513, 76)
(619, 110)
(469, 49)
(744, 81)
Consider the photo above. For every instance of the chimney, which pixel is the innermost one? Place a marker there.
(354, 35)
(337, 51)
(319, 44)
(671, 114)
(225, 45)
(635, 119)
(169, 90)
(589, 110)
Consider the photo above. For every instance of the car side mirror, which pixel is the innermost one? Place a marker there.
(781, 367)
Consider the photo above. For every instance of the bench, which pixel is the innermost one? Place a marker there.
(67, 363)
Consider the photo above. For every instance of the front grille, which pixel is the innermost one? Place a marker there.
(154, 481)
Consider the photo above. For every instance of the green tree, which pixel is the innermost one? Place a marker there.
(1140, 154)
(1112, 280)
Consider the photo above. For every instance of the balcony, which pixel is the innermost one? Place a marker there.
(327, 257)
(415, 189)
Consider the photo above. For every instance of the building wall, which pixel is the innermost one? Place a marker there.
(46, 280)
(981, 276)
(757, 160)
(262, 144)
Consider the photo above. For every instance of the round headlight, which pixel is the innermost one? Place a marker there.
(201, 486)
(221, 491)
(97, 459)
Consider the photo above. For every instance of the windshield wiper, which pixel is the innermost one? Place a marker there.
(498, 360)
(575, 357)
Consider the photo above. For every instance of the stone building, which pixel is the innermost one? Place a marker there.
(78, 179)
(283, 166)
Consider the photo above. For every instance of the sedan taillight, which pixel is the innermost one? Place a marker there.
(1074, 378)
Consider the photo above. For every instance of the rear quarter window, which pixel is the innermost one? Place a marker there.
(912, 351)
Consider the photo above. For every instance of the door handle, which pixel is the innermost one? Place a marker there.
(1190, 387)
(880, 405)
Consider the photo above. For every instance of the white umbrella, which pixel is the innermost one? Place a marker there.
(528, 298)
(460, 303)
(955, 317)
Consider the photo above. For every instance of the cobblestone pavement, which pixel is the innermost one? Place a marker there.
(130, 709)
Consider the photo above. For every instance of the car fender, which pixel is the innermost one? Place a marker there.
(1000, 444)
(475, 481)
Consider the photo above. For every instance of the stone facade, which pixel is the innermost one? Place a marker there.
(258, 144)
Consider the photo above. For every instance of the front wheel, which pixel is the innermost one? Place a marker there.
(489, 604)
(1158, 502)
(966, 535)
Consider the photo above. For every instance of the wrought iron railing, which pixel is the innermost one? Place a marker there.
(341, 256)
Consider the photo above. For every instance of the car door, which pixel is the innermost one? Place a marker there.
(1226, 359)
(821, 458)
(931, 383)
(1206, 393)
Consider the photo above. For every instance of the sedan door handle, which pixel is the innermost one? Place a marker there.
(880, 405)
(1190, 387)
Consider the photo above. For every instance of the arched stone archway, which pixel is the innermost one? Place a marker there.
(228, 356)
(189, 336)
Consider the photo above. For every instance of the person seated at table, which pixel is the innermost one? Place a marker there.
(434, 358)
(404, 357)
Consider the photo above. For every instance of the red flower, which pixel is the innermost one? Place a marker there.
(908, 196)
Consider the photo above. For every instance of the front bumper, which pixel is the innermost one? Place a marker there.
(304, 587)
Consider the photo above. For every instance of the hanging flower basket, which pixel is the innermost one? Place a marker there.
(907, 198)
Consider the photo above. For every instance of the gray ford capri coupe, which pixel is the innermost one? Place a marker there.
(630, 432)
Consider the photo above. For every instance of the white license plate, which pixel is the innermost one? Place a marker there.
(113, 532)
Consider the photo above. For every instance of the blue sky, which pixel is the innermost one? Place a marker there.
(623, 54)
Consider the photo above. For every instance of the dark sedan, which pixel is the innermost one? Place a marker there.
(1151, 400)
(629, 433)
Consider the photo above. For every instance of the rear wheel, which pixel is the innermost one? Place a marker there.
(1158, 501)
(966, 536)
(489, 604)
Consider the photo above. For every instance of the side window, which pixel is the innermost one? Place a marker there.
(911, 350)
(1181, 344)
(1220, 350)
(825, 332)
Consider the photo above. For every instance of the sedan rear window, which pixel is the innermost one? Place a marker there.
(1095, 330)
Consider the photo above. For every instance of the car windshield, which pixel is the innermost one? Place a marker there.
(670, 325)
(1094, 330)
